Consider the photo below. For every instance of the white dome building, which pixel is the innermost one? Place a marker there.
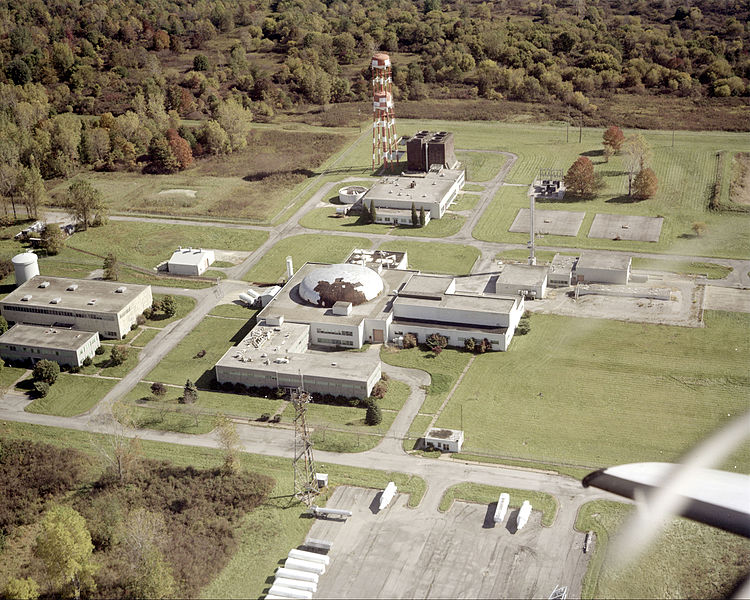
(343, 282)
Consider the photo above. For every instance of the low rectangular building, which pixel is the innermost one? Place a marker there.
(523, 280)
(34, 343)
(109, 308)
(600, 267)
(446, 440)
(190, 261)
(561, 270)
(277, 357)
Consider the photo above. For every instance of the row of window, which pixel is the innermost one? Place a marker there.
(60, 313)
(32, 350)
(335, 342)
(334, 332)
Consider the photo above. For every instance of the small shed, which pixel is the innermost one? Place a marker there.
(190, 261)
(600, 267)
(447, 440)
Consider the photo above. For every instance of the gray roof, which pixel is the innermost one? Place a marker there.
(104, 292)
(429, 187)
(55, 338)
(188, 256)
(492, 304)
(603, 260)
(426, 285)
(530, 275)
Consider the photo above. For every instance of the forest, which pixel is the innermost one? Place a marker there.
(151, 85)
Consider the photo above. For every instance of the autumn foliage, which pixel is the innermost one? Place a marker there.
(613, 139)
(580, 180)
(180, 149)
(645, 184)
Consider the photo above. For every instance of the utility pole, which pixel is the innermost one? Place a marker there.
(580, 129)
(673, 137)
(567, 126)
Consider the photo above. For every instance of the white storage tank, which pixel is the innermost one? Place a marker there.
(26, 266)
(351, 193)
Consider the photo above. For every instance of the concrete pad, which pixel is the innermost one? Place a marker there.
(626, 227)
(415, 553)
(548, 222)
(729, 299)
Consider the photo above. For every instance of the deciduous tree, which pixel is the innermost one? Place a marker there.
(119, 354)
(580, 179)
(111, 267)
(229, 440)
(180, 149)
(645, 184)
(169, 306)
(84, 202)
(637, 157)
(235, 120)
(47, 371)
(190, 393)
(613, 139)
(53, 239)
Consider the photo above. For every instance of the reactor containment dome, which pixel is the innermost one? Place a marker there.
(343, 282)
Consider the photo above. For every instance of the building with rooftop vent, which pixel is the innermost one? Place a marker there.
(109, 308)
(64, 346)
(529, 281)
(427, 148)
(600, 267)
(190, 261)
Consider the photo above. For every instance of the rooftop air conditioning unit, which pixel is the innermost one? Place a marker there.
(26, 298)
(91, 302)
(120, 289)
(55, 300)
(72, 287)
(44, 284)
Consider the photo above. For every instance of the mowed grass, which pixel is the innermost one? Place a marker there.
(436, 257)
(214, 335)
(589, 392)
(148, 244)
(265, 535)
(481, 166)
(254, 184)
(71, 395)
(303, 248)
(235, 310)
(686, 174)
(183, 305)
(686, 560)
(489, 494)
(683, 267)
(449, 225)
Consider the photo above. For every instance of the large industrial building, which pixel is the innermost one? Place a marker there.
(190, 261)
(35, 343)
(426, 149)
(108, 308)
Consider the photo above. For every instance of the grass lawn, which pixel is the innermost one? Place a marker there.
(144, 337)
(713, 270)
(303, 248)
(436, 257)
(183, 305)
(101, 364)
(8, 376)
(417, 430)
(444, 371)
(71, 395)
(686, 560)
(214, 335)
(449, 225)
(487, 494)
(592, 393)
(148, 244)
(325, 218)
(465, 202)
(692, 159)
(473, 187)
(481, 166)
(233, 311)
(267, 534)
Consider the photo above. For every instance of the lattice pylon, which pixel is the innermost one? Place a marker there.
(305, 482)
(384, 141)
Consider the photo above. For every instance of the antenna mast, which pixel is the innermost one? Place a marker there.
(384, 142)
(305, 482)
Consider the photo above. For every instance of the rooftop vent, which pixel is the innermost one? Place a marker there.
(91, 302)
(26, 298)
(72, 287)
(55, 300)
(120, 289)
(44, 284)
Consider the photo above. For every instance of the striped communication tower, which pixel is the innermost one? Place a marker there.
(384, 142)
(305, 482)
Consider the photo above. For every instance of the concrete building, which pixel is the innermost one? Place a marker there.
(190, 261)
(596, 267)
(63, 346)
(447, 440)
(426, 148)
(433, 191)
(561, 270)
(87, 305)
(529, 281)
(379, 259)
(274, 354)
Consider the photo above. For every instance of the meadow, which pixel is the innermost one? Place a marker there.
(434, 257)
(591, 393)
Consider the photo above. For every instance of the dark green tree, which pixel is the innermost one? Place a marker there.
(200, 62)
(422, 217)
(47, 371)
(373, 212)
(373, 415)
(414, 215)
(190, 393)
(111, 267)
(169, 306)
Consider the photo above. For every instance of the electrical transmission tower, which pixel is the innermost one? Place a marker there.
(305, 482)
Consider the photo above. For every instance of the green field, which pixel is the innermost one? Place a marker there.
(148, 244)
(8, 376)
(144, 337)
(71, 395)
(480, 166)
(449, 225)
(436, 257)
(303, 248)
(417, 429)
(487, 494)
(183, 305)
(215, 335)
(235, 311)
(686, 560)
(465, 202)
(267, 534)
(683, 267)
(589, 392)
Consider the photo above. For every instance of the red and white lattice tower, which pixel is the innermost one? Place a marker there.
(384, 141)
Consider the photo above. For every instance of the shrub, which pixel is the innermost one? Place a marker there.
(134, 326)
(380, 389)
(99, 351)
(524, 326)
(470, 344)
(436, 340)
(276, 419)
(140, 320)
(88, 361)
(118, 355)
(21, 589)
(46, 371)
(190, 393)
(437, 350)
(264, 417)
(227, 386)
(41, 388)
(240, 388)
(384, 377)
(148, 313)
(214, 385)
(373, 416)
(410, 341)
(158, 389)
(75, 369)
(280, 393)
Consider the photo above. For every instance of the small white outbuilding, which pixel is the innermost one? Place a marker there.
(446, 440)
(190, 261)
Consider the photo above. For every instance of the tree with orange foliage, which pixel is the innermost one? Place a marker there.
(161, 40)
(180, 148)
(645, 184)
(613, 139)
(580, 179)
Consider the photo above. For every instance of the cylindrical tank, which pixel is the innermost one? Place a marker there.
(294, 574)
(380, 60)
(311, 556)
(296, 584)
(26, 266)
(289, 267)
(350, 194)
(305, 565)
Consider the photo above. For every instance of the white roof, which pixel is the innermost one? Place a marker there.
(352, 283)
(189, 256)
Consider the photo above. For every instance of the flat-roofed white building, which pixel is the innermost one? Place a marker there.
(109, 308)
(524, 280)
(446, 440)
(601, 267)
(190, 261)
(432, 191)
(63, 346)
(561, 270)
(277, 356)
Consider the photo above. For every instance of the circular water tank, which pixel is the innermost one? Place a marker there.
(352, 193)
(381, 60)
(327, 285)
(26, 266)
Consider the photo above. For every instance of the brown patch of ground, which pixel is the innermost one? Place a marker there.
(739, 191)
